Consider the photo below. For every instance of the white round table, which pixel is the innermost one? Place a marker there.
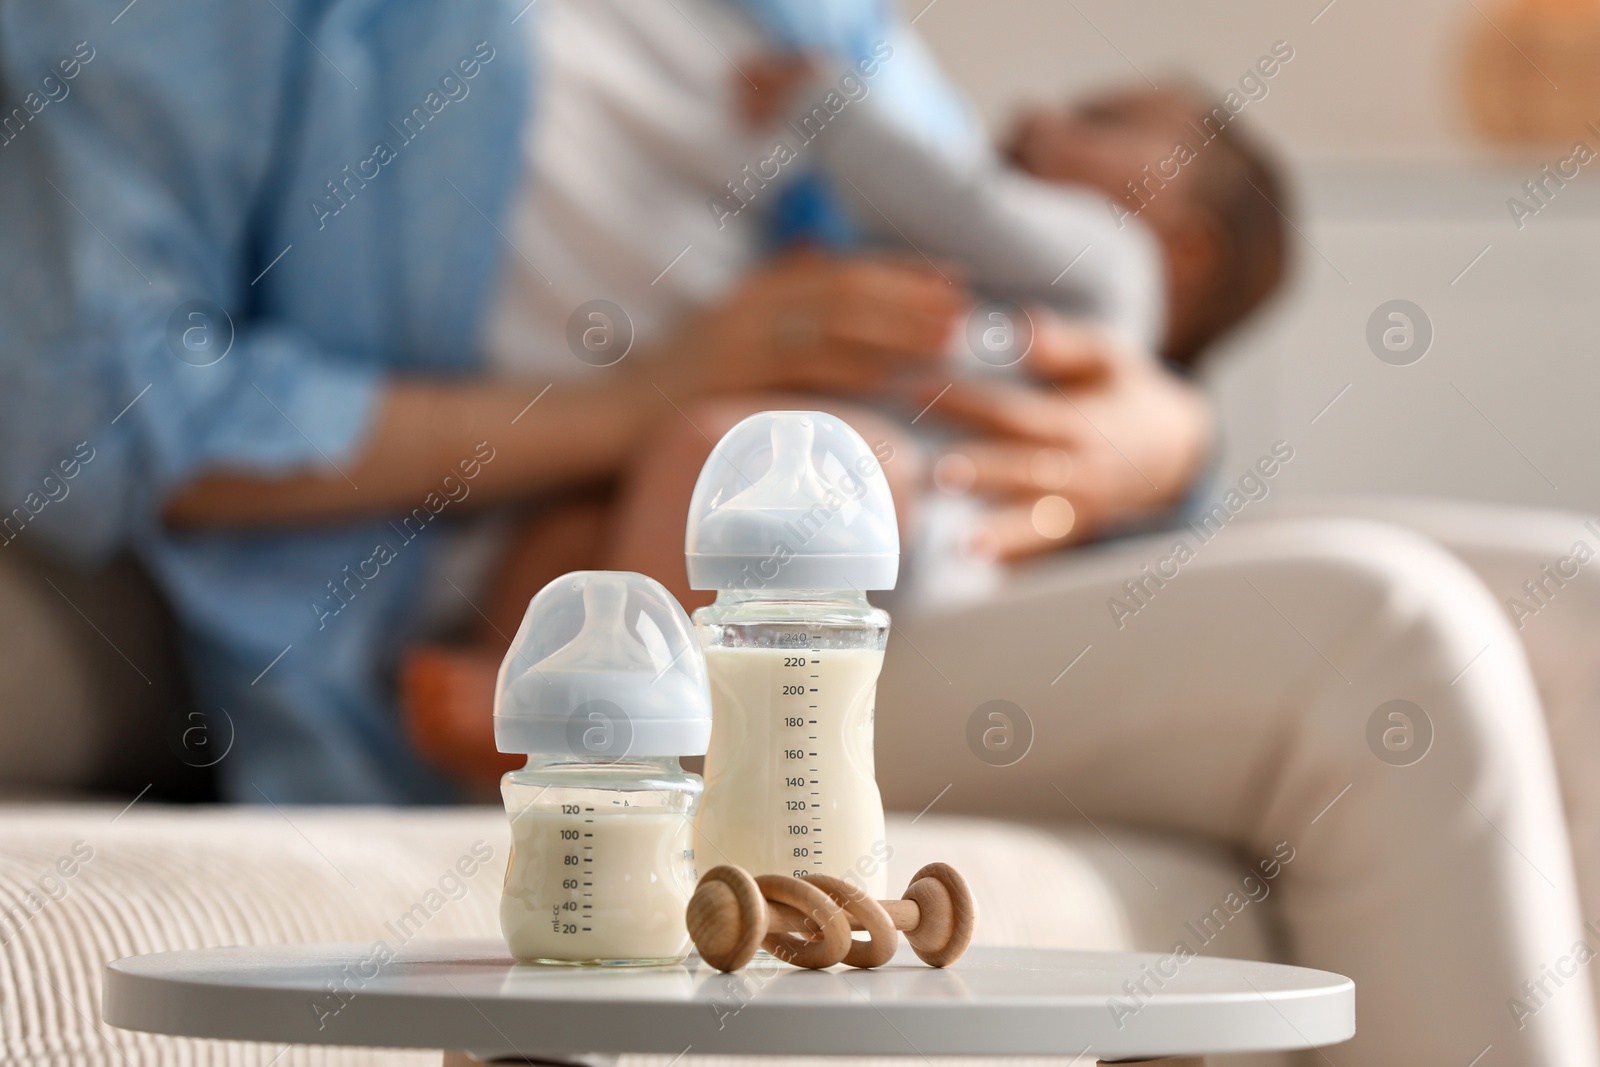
(469, 995)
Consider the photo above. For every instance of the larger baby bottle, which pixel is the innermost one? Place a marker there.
(603, 689)
(792, 523)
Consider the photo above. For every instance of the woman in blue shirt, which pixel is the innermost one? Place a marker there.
(249, 254)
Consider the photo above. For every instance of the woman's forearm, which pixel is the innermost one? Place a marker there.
(870, 316)
(424, 431)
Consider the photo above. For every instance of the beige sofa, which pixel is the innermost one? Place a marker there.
(88, 697)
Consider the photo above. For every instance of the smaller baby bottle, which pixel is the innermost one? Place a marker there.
(603, 689)
(792, 523)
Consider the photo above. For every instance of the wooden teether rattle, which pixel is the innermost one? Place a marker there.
(807, 921)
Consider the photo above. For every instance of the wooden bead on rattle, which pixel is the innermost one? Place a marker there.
(727, 917)
(937, 913)
(807, 921)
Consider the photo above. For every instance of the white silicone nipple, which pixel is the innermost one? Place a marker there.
(818, 515)
(791, 483)
(603, 643)
(633, 663)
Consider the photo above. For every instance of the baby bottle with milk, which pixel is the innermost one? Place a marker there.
(792, 523)
(603, 689)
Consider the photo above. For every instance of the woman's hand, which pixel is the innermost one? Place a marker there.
(1105, 434)
(816, 322)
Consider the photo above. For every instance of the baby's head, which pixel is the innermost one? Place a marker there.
(1180, 165)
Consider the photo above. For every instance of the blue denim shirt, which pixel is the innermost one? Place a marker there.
(224, 226)
(226, 157)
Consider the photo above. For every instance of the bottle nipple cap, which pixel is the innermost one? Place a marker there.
(792, 500)
(605, 664)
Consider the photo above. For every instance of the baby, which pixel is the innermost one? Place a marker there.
(1070, 224)
(1144, 214)
(1175, 162)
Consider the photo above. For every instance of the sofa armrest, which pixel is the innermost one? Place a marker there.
(90, 683)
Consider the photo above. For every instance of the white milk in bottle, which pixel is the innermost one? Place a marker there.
(604, 688)
(791, 522)
(592, 885)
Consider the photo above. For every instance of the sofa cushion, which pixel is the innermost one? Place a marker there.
(81, 885)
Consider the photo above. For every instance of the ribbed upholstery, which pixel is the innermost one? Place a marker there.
(159, 878)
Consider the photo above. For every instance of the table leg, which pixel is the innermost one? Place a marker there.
(597, 1059)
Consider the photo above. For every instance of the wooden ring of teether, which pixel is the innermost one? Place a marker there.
(727, 917)
(821, 923)
(948, 914)
(882, 937)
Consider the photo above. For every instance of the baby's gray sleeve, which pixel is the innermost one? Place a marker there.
(1018, 238)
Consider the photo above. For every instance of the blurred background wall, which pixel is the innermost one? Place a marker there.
(1398, 197)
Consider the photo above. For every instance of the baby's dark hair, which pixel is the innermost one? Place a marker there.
(1241, 186)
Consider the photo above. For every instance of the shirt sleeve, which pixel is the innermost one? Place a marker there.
(134, 347)
(911, 165)
(914, 93)
(912, 89)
